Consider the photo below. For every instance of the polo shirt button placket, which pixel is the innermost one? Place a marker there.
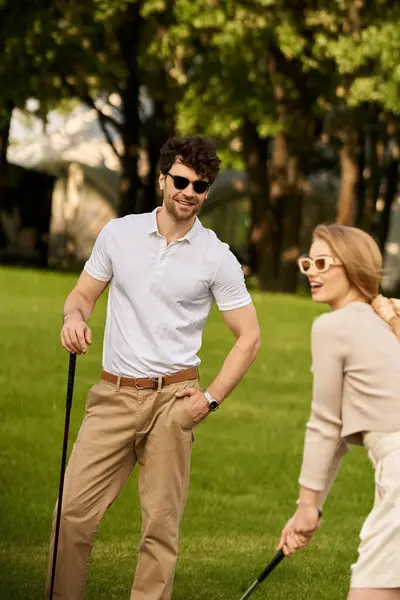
(161, 262)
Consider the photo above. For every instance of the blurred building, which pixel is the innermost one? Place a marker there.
(84, 175)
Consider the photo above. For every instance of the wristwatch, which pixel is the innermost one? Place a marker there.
(212, 403)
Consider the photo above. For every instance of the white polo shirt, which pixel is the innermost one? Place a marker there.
(160, 296)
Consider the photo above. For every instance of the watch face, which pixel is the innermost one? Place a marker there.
(214, 405)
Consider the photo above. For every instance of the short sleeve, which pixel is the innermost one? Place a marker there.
(229, 287)
(99, 264)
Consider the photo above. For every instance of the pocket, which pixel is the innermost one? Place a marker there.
(93, 396)
(379, 483)
(186, 401)
(184, 404)
(388, 476)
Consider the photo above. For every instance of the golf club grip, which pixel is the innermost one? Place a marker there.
(279, 556)
(71, 376)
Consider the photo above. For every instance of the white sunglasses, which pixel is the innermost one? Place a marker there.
(321, 263)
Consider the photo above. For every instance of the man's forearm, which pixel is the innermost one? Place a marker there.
(77, 306)
(238, 361)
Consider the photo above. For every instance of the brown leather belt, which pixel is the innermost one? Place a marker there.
(153, 383)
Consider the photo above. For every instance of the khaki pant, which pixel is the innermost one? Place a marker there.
(122, 427)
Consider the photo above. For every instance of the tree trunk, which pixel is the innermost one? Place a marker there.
(350, 174)
(392, 180)
(150, 187)
(373, 183)
(157, 129)
(128, 39)
(278, 181)
(361, 186)
(292, 208)
(4, 139)
(261, 260)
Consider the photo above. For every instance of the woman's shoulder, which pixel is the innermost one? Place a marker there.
(328, 335)
(336, 327)
(347, 326)
(328, 322)
(344, 316)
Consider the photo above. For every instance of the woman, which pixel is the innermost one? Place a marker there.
(356, 400)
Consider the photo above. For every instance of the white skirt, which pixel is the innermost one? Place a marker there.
(378, 564)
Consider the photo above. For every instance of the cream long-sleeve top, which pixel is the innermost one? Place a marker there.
(356, 388)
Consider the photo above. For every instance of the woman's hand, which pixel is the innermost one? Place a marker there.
(389, 310)
(299, 530)
(386, 308)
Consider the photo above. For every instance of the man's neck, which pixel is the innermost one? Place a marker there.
(171, 229)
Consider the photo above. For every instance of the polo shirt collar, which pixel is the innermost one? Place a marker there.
(152, 227)
(191, 234)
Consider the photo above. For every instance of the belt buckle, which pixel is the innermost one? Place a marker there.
(156, 383)
(140, 387)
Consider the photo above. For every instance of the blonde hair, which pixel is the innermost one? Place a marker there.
(359, 254)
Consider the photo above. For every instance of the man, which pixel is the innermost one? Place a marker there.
(165, 270)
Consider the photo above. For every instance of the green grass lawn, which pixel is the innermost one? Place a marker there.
(245, 465)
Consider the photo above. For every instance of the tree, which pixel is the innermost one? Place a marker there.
(251, 80)
(268, 79)
(90, 51)
(361, 45)
(20, 70)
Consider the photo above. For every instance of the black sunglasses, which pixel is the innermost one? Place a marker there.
(181, 183)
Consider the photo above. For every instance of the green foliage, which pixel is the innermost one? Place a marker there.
(215, 55)
(364, 54)
(209, 66)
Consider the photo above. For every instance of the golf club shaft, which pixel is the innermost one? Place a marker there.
(70, 391)
(279, 556)
(251, 589)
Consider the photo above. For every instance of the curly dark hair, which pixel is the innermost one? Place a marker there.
(196, 152)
